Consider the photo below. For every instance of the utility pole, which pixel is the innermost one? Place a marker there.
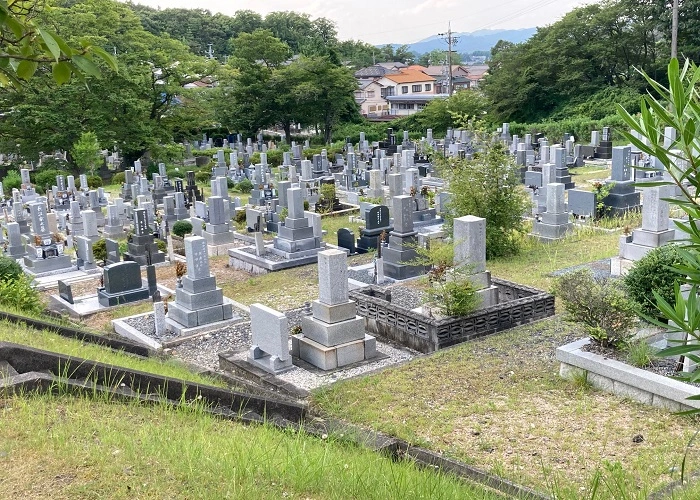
(451, 40)
(674, 30)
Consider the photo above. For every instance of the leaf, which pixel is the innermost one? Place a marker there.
(26, 69)
(106, 57)
(61, 72)
(86, 66)
(51, 43)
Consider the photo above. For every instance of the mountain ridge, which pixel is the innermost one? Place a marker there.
(468, 41)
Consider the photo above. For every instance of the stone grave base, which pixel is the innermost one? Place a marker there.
(44, 267)
(87, 305)
(338, 356)
(51, 280)
(216, 250)
(273, 259)
(620, 266)
(184, 331)
(269, 363)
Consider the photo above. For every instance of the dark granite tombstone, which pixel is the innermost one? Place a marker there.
(65, 291)
(376, 221)
(113, 255)
(122, 284)
(346, 239)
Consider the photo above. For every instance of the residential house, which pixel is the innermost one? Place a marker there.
(407, 92)
(369, 98)
(476, 74)
(379, 70)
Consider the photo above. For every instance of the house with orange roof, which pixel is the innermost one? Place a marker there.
(407, 92)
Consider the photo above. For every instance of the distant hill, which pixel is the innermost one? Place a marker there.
(469, 42)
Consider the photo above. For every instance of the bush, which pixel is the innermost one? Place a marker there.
(489, 187)
(202, 176)
(47, 177)
(230, 184)
(240, 216)
(94, 181)
(99, 249)
(245, 186)
(9, 269)
(119, 178)
(654, 272)
(600, 304)
(11, 181)
(162, 246)
(19, 294)
(181, 228)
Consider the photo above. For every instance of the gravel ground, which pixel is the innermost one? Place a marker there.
(363, 276)
(407, 297)
(204, 350)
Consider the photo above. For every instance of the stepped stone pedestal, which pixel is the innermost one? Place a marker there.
(198, 301)
(334, 336)
(470, 254)
(554, 222)
(655, 230)
(402, 242)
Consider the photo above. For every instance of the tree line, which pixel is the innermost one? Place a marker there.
(588, 61)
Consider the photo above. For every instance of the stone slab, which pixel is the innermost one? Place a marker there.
(335, 313)
(331, 334)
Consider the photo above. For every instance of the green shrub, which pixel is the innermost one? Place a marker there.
(19, 294)
(600, 304)
(94, 181)
(654, 272)
(245, 186)
(181, 228)
(9, 269)
(488, 186)
(640, 353)
(202, 176)
(240, 216)
(11, 181)
(162, 245)
(306, 205)
(119, 178)
(45, 178)
(230, 183)
(99, 249)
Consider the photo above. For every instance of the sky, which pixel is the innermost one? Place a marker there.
(399, 21)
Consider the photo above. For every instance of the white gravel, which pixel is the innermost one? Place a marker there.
(204, 350)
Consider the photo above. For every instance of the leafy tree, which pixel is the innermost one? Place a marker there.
(26, 44)
(488, 186)
(437, 57)
(127, 111)
(591, 48)
(388, 53)
(86, 152)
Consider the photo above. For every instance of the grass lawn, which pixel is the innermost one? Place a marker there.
(584, 177)
(69, 447)
(537, 260)
(169, 367)
(499, 403)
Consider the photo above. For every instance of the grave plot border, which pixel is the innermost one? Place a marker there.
(625, 380)
(519, 304)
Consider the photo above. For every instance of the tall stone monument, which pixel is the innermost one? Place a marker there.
(334, 336)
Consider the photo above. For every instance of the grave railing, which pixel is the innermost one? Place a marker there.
(518, 305)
